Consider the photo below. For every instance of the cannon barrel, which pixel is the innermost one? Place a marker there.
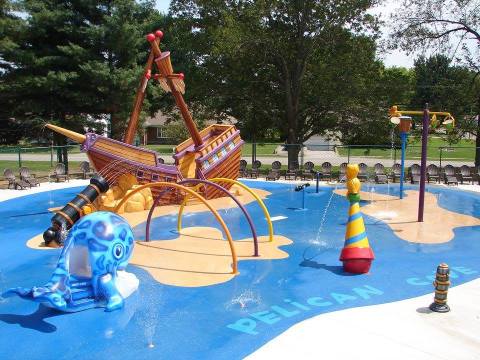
(70, 213)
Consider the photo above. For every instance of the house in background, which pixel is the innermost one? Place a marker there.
(325, 142)
(155, 130)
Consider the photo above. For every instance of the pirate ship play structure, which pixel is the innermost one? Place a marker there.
(213, 152)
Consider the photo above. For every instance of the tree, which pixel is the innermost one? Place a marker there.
(443, 25)
(303, 65)
(119, 54)
(446, 87)
(10, 25)
(386, 87)
(40, 81)
(76, 61)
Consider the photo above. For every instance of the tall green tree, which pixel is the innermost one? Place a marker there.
(303, 65)
(445, 86)
(385, 87)
(449, 26)
(119, 54)
(41, 83)
(10, 26)
(77, 61)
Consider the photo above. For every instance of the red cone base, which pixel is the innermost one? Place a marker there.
(356, 260)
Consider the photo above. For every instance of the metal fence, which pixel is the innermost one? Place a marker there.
(47, 157)
(368, 154)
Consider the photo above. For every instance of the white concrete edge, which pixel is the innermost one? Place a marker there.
(7, 194)
(399, 330)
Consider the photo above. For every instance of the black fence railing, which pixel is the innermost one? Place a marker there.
(369, 154)
(46, 157)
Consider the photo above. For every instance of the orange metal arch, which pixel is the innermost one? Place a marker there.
(199, 197)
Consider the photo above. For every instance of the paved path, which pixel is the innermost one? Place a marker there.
(42, 157)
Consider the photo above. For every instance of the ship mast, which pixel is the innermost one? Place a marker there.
(174, 83)
(140, 96)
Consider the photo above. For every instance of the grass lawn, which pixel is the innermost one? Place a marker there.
(161, 149)
(262, 149)
(41, 169)
(464, 150)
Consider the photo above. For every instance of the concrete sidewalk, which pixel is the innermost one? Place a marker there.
(7, 194)
(400, 330)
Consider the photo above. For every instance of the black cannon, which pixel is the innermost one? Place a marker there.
(70, 213)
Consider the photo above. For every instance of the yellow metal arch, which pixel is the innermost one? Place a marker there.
(199, 197)
(260, 202)
(182, 207)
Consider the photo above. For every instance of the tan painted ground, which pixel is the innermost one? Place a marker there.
(401, 216)
(138, 217)
(200, 256)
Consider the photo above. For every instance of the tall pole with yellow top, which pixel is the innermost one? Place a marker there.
(404, 123)
(396, 118)
(356, 254)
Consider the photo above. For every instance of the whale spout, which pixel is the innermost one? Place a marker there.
(91, 269)
(79, 138)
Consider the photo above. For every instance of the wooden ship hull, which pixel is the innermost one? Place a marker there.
(219, 158)
(211, 153)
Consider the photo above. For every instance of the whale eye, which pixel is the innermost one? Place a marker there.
(118, 251)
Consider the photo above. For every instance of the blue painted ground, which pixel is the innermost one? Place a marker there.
(210, 322)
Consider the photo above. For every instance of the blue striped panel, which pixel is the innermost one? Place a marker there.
(355, 217)
(356, 238)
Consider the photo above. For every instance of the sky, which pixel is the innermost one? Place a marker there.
(162, 5)
(394, 58)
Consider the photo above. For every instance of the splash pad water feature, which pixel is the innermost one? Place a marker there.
(266, 298)
(91, 269)
(195, 298)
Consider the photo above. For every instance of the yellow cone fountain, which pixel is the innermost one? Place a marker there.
(356, 254)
